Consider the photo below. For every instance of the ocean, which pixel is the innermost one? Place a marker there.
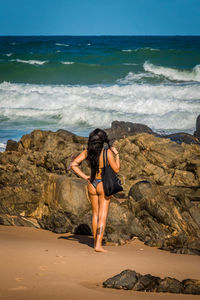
(80, 83)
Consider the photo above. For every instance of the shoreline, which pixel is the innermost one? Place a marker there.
(39, 264)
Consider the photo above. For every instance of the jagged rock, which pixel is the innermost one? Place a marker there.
(120, 223)
(11, 145)
(191, 286)
(67, 201)
(170, 285)
(197, 132)
(168, 222)
(130, 280)
(125, 280)
(146, 283)
(161, 181)
(120, 129)
(165, 162)
(182, 137)
(39, 140)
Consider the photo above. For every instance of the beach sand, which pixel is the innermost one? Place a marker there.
(39, 264)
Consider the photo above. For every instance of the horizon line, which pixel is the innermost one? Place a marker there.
(100, 35)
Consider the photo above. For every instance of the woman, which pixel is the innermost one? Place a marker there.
(100, 203)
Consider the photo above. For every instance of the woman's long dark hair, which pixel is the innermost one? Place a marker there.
(96, 141)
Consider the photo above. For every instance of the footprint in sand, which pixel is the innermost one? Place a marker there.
(19, 288)
(60, 262)
(43, 268)
(60, 256)
(19, 278)
(39, 274)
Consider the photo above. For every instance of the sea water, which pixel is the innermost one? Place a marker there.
(81, 83)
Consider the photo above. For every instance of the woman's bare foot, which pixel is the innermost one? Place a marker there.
(100, 249)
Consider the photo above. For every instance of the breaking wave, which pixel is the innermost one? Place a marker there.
(80, 108)
(31, 62)
(174, 74)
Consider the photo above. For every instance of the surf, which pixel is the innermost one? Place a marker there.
(174, 74)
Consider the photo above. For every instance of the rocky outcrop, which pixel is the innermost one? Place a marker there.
(167, 222)
(121, 129)
(167, 163)
(197, 131)
(159, 204)
(182, 137)
(130, 280)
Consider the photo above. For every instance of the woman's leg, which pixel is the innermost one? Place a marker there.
(102, 217)
(94, 201)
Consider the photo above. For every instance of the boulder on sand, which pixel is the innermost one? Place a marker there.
(131, 280)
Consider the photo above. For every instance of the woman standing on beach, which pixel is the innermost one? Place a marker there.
(100, 202)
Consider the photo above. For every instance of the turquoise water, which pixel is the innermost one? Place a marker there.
(79, 83)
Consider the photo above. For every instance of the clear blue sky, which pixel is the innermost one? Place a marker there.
(99, 17)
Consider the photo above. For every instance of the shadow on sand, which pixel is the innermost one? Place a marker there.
(83, 239)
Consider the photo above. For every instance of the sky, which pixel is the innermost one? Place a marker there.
(99, 17)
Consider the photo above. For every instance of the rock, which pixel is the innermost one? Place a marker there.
(171, 223)
(170, 285)
(197, 132)
(130, 280)
(182, 137)
(120, 129)
(68, 203)
(165, 162)
(125, 280)
(159, 204)
(147, 283)
(39, 140)
(11, 145)
(120, 223)
(191, 286)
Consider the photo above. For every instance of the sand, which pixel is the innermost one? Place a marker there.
(39, 264)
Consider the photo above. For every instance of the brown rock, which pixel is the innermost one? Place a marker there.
(36, 187)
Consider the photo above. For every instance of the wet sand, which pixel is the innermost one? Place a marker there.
(39, 264)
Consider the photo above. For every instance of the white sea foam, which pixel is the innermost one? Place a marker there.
(164, 107)
(59, 44)
(173, 74)
(139, 49)
(2, 147)
(8, 54)
(131, 77)
(130, 64)
(147, 48)
(31, 62)
(67, 62)
(127, 50)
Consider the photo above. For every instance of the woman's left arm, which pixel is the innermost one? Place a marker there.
(76, 162)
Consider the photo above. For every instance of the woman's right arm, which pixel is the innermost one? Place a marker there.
(114, 163)
(76, 162)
